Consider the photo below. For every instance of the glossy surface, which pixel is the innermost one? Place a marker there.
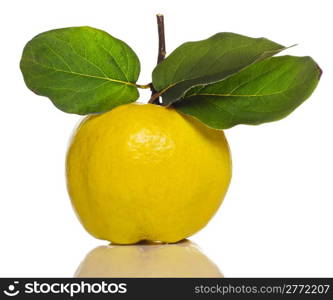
(156, 260)
(145, 172)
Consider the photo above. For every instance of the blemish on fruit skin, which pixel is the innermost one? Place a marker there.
(147, 146)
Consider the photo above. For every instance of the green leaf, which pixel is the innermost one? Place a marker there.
(208, 61)
(81, 69)
(266, 91)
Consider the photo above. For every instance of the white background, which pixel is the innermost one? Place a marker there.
(277, 218)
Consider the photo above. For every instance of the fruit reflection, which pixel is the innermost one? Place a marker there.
(183, 259)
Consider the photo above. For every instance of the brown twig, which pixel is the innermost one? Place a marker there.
(161, 38)
(161, 54)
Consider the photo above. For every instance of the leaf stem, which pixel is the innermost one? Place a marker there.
(143, 86)
(161, 55)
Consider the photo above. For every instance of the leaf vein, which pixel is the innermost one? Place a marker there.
(81, 74)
